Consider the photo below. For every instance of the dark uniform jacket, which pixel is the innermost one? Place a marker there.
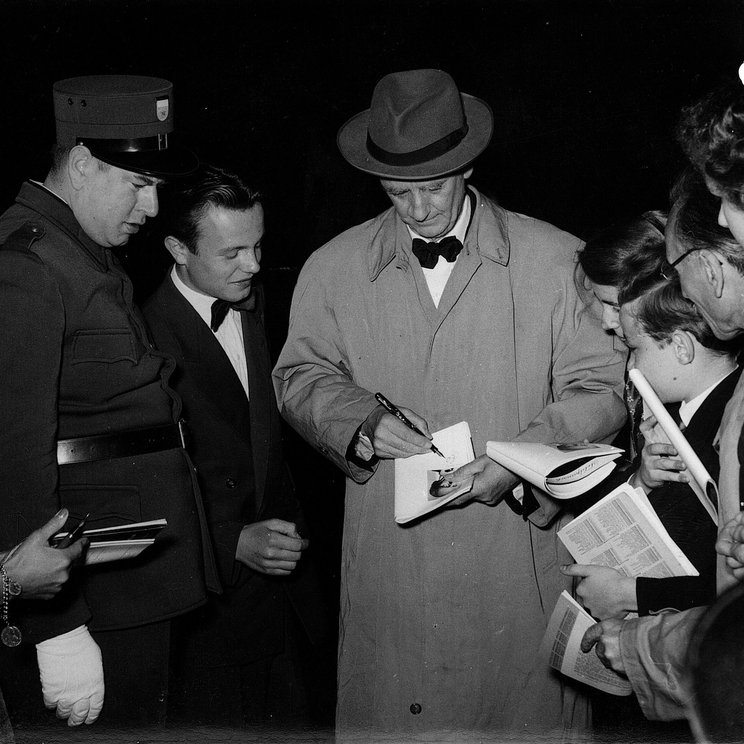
(76, 361)
(237, 449)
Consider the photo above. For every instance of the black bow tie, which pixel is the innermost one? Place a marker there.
(220, 308)
(428, 253)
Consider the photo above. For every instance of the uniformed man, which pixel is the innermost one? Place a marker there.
(89, 419)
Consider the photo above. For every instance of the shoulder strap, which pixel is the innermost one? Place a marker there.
(24, 237)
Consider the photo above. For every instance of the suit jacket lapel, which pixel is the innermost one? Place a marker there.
(205, 358)
(704, 424)
(261, 395)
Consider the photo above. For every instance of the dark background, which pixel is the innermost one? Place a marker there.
(585, 96)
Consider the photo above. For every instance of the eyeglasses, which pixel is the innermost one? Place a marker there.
(669, 266)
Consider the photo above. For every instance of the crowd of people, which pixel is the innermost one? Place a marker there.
(453, 307)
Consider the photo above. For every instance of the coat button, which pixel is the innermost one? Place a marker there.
(230, 483)
(415, 709)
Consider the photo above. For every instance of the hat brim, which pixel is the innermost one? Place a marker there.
(174, 162)
(352, 142)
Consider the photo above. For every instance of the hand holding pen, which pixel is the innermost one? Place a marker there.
(388, 406)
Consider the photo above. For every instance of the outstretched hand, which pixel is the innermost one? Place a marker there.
(604, 591)
(491, 481)
(604, 637)
(730, 544)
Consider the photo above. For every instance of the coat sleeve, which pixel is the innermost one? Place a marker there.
(587, 372)
(313, 384)
(33, 327)
(654, 652)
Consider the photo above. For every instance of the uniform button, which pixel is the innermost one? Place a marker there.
(230, 483)
(415, 709)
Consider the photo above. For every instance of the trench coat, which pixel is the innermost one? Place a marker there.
(441, 621)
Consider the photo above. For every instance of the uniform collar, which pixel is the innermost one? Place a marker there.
(37, 197)
(487, 237)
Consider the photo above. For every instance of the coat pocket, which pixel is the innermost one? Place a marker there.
(106, 505)
(109, 345)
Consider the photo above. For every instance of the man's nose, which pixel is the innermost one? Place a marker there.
(148, 200)
(249, 262)
(419, 207)
(722, 221)
(610, 319)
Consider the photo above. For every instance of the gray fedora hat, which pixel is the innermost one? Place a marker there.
(418, 127)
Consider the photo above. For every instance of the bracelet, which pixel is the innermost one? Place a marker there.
(10, 634)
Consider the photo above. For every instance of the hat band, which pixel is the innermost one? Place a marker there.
(422, 155)
(141, 144)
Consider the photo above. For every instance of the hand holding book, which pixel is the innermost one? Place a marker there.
(114, 543)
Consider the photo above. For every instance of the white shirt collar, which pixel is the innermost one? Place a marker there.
(200, 302)
(689, 409)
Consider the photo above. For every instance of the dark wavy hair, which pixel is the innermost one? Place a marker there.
(711, 133)
(186, 201)
(662, 309)
(628, 255)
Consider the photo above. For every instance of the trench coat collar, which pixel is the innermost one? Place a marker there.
(487, 236)
(43, 201)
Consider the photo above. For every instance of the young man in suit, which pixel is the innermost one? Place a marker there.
(209, 315)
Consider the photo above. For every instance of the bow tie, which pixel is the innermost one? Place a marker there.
(221, 307)
(428, 253)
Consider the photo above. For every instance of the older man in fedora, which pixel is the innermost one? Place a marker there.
(89, 420)
(455, 309)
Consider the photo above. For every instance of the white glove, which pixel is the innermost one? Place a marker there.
(71, 671)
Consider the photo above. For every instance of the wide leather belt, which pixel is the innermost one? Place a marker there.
(122, 444)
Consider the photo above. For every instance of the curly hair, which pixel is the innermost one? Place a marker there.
(628, 255)
(711, 133)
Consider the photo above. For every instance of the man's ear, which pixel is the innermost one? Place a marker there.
(79, 162)
(467, 174)
(683, 344)
(713, 270)
(177, 249)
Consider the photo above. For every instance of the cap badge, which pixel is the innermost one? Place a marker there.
(162, 108)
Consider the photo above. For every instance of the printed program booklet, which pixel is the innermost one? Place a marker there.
(415, 476)
(667, 430)
(623, 531)
(562, 647)
(563, 470)
(118, 542)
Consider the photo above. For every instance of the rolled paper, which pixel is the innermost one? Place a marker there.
(702, 483)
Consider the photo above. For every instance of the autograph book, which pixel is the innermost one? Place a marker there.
(118, 542)
(562, 647)
(421, 484)
(563, 470)
(623, 531)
